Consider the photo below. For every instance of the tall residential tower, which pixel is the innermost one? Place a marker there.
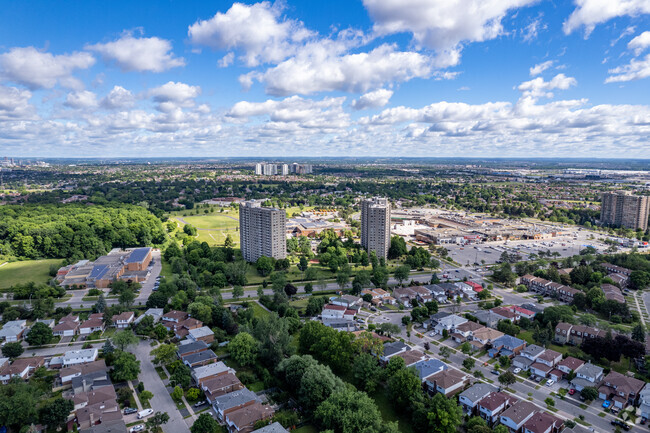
(262, 231)
(375, 226)
(624, 209)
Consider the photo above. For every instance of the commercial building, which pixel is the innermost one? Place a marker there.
(262, 231)
(375, 226)
(624, 209)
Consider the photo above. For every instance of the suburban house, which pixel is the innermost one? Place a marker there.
(469, 398)
(95, 323)
(243, 420)
(567, 365)
(542, 422)
(347, 301)
(67, 326)
(463, 331)
(550, 358)
(191, 347)
(448, 323)
(613, 293)
(587, 375)
(432, 321)
(506, 345)
(523, 313)
(621, 389)
(82, 356)
(487, 318)
(437, 293)
(404, 295)
(527, 356)
(411, 357)
(422, 294)
(392, 349)
(68, 373)
(379, 296)
(173, 318)
(486, 336)
(21, 367)
(13, 331)
(447, 382)
(613, 269)
(183, 328)
(203, 333)
(220, 385)
(549, 288)
(504, 313)
(429, 367)
(210, 371)
(276, 427)
(155, 313)
(232, 401)
(516, 415)
(492, 405)
(619, 279)
(337, 312)
(563, 332)
(200, 358)
(644, 399)
(123, 320)
(566, 333)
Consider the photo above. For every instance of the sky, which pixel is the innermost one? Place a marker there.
(420, 78)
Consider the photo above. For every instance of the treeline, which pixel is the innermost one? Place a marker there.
(75, 231)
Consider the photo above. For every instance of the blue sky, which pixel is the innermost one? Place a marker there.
(325, 78)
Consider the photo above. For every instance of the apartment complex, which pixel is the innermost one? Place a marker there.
(262, 231)
(624, 209)
(271, 169)
(375, 225)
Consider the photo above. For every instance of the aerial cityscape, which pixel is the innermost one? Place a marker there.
(371, 216)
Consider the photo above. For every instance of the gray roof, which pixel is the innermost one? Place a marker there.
(276, 427)
(577, 381)
(519, 411)
(203, 331)
(116, 426)
(195, 358)
(522, 360)
(234, 399)
(589, 370)
(209, 370)
(191, 347)
(440, 315)
(395, 347)
(533, 350)
(477, 391)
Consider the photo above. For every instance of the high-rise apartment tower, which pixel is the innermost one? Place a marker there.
(624, 209)
(262, 231)
(375, 226)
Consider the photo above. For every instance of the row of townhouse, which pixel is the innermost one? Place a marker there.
(519, 416)
(379, 297)
(567, 333)
(183, 326)
(539, 361)
(460, 330)
(71, 325)
(440, 293)
(235, 406)
(549, 288)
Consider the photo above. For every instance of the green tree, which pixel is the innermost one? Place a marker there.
(351, 411)
(264, 266)
(275, 341)
(237, 292)
(39, 335)
(638, 333)
(389, 329)
(504, 361)
(366, 372)
(164, 354)
(397, 247)
(589, 393)
(177, 393)
(12, 350)
(343, 277)
(243, 349)
(549, 401)
(402, 273)
(181, 376)
(469, 363)
(156, 420)
(146, 395)
(507, 378)
(444, 415)
(316, 385)
(54, 413)
(123, 339)
(126, 298)
(125, 367)
(404, 387)
(160, 332)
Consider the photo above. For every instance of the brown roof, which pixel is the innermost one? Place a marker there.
(520, 411)
(540, 422)
(69, 318)
(623, 383)
(549, 355)
(493, 400)
(447, 378)
(123, 316)
(504, 312)
(174, 314)
(249, 415)
(20, 364)
(103, 394)
(563, 326)
(469, 326)
(191, 323)
(92, 323)
(487, 334)
(571, 363)
(411, 356)
(65, 326)
(91, 367)
(541, 367)
(220, 382)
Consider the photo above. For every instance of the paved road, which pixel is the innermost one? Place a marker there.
(161, 400)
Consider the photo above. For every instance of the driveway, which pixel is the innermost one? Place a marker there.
(161, 400)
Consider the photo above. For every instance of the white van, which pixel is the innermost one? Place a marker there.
(145, 413)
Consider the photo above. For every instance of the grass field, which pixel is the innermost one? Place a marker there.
(37, 271)
(212, 221)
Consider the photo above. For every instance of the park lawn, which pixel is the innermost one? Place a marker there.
(37, 271)
(258, 311)
(212, 221)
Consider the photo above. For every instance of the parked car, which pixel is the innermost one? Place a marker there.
(495, 372)
(517, 370)
(145, 413)
(572, 391)
(129, 410)
(137, 428)
(621, 424)
(606, 404)
(550, 382)
(199, 403)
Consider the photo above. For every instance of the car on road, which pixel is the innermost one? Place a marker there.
(495, 372)
(136, 428)
(145, 413)
(550, 382)
(129, 410)
(199, 403)
(618, 423)
(606, 404)
(516, 370)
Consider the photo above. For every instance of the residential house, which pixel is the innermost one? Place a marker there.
(422, 294)
(203, 333)
(613, 269)
(506, 345)
(452, 290)
(486, 336)
(13, 331)
(123, 320)
(333, 312)
(463, 331)
(243, 420)
(82, 356)
(619, 279)
(229, 402)
(644, 400)
(621, 389)
(504, 313)
(95, 323)
(347, 301)
(200, 358)
(67, 326)
(429, 367)
(411, 357)
(487, 318)
(405, 295)
(613, 293)
(549, 288)
(475, 286)
(21, 367)
(96, 406)
(68, 373)
(276, 427)
(469, 398)
(587, 375)
(191, 347)
(516, 415)
(155, 313)
(521, 312)
(447, 382)
(171, 319)
(392, 349)
(550, 358)
(563, 332)
(182, 329)
(542, 422)
(448, 323)
(49, 322)
(581, 332)
(569, 364)
(220, 385)
(433, 320)
(527, 357)
(379, 296)
(210, 371)
(492, 405)
(466, 291)
(437, 293)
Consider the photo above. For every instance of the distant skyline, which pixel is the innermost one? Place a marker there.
(410, 78)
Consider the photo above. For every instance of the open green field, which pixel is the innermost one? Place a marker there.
(37, 271)
(212, 221)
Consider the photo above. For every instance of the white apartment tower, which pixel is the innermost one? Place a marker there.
(262, 231)
(375, 225)
(259, 169)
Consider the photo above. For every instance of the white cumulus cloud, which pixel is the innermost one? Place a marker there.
(14, 103)
(36, 69)
(81, 99)
(640, 43)
(537, 87)
(139, 54)
(173, 95)
(635, 70)
(118, 98)
(375, 99)
(540, 67)
(590, 13)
